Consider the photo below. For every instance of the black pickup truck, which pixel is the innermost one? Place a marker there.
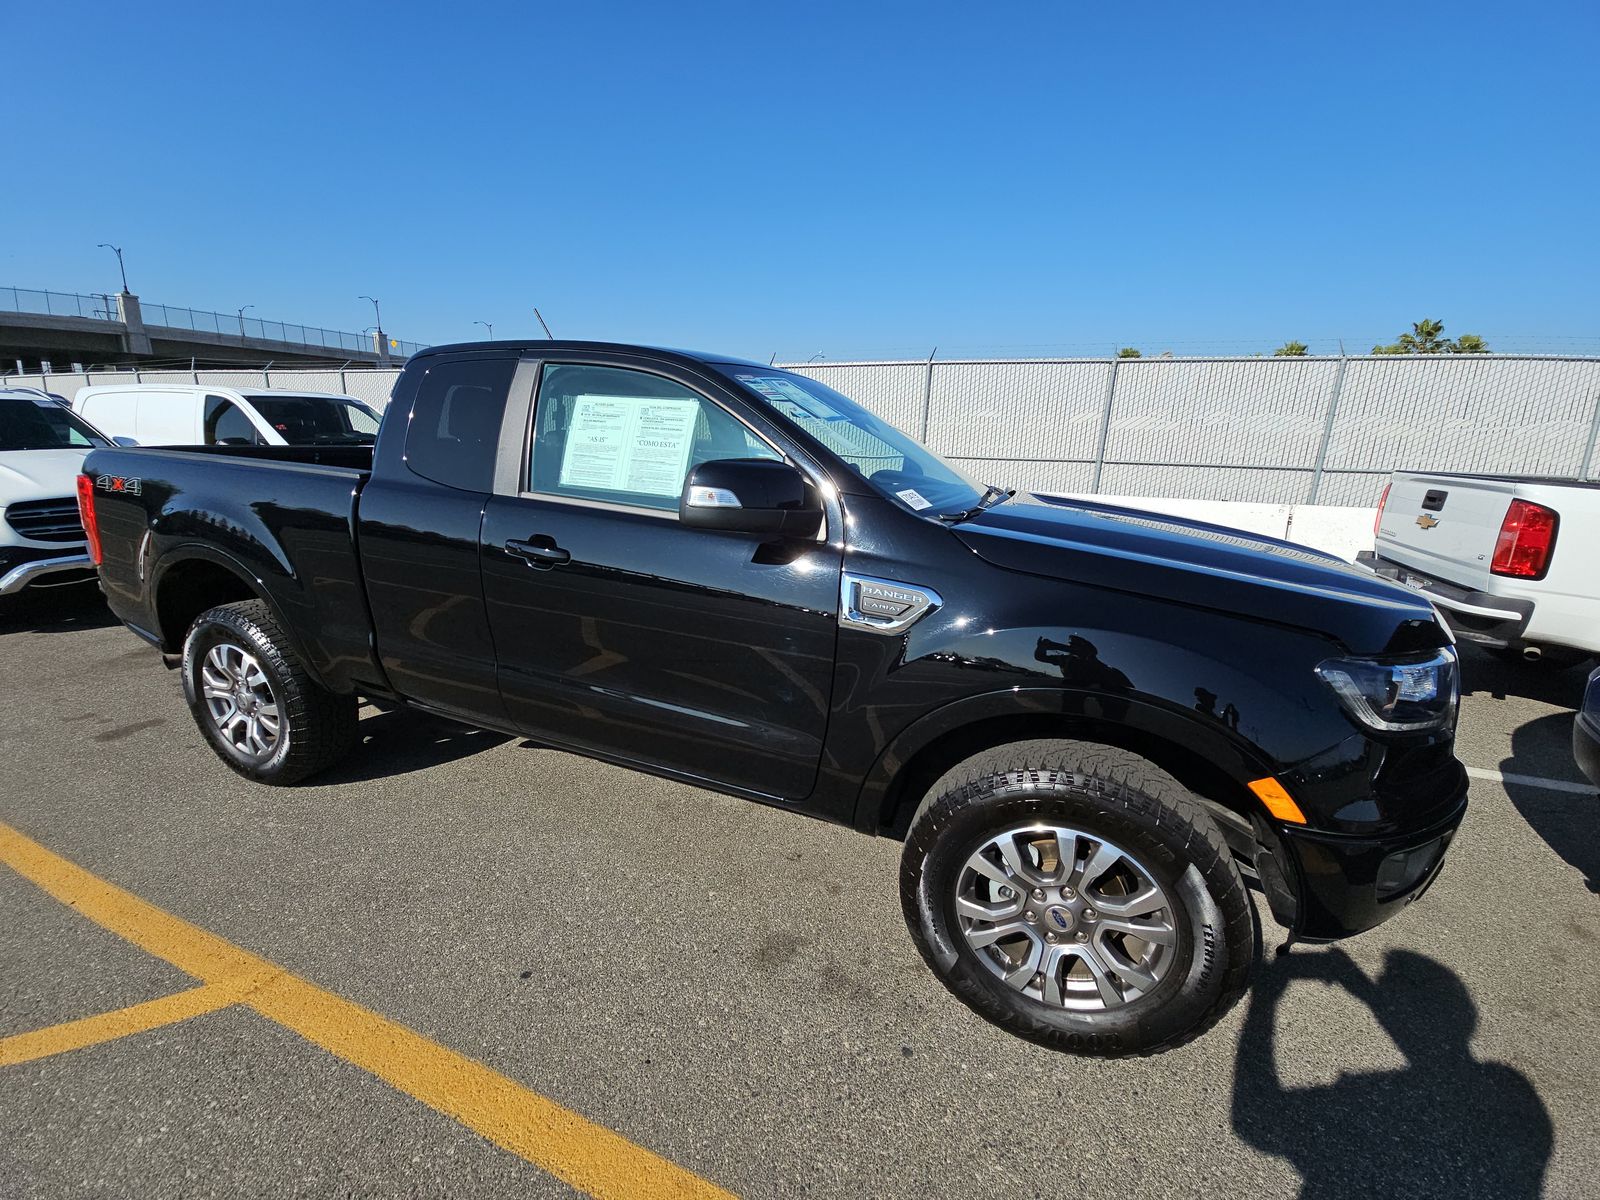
(1093, 728)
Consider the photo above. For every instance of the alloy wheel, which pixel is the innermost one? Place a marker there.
(1066, 917)
(241, 702)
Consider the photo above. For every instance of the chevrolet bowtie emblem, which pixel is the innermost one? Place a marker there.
(1427, 521)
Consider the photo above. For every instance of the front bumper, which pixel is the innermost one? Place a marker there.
(1350, 884)
(20, 569)
(1472, 616)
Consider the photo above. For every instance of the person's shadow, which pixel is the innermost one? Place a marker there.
(1446, 1124)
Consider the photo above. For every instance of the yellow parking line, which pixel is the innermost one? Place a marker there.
(574, 1149)
(106, 1027)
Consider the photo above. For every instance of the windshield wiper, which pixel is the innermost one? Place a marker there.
(991, 496)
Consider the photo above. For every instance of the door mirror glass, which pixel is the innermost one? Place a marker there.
(749, 495)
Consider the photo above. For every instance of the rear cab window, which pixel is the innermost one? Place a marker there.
(454, 430)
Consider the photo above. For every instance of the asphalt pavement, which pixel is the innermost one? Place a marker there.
(727, 987)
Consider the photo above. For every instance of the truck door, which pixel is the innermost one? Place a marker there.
(418, 534)
(620, 631)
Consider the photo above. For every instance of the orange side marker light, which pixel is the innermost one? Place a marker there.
(1279, 803)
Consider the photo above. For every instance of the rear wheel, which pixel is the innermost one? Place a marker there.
(1076, 895)
(252, 697)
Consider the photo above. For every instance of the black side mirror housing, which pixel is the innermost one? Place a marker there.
(749, 495)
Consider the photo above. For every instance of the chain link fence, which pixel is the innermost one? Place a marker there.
(1267, 430)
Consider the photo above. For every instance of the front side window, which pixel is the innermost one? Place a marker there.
(898, 466)
(41, 424)
(455, 421)
(227, 425)
(318, 420)
(627, 437)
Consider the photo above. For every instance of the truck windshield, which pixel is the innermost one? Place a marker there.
(318, 420)
(898, 466)
(44, 425)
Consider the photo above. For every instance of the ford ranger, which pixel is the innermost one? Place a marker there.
(1093, 729)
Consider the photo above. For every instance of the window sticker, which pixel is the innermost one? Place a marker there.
(914, 498)
(629, 444)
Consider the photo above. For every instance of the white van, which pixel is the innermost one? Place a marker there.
(160, 414)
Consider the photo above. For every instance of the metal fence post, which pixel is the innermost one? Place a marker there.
(1327, 431)
(1594, 434)
(927, 395)
(1105, 427)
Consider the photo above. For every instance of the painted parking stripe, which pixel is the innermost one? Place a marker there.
(106, 1027)
(577, 1151)
(1550, 785)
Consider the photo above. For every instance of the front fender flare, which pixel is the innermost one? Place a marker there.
(1233, 756)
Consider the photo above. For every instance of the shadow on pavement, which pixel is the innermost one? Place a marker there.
(1568, 821)
(1480, 672)
(1447, 1124)
(394, 743)
(53, 610)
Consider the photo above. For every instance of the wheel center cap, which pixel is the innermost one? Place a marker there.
(1058, 917)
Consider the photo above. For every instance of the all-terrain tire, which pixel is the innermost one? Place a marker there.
(1105, 793)
(315, 728)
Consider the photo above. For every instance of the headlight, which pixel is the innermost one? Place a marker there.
(1401, 695)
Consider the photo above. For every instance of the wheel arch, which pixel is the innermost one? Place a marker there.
(1206, 762)
(192, 579)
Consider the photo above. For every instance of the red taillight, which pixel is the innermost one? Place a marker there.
(91, 527)
(1382, 500)
(1527, 536)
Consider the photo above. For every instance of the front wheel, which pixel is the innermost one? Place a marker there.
(1077, 896)
(261, 710)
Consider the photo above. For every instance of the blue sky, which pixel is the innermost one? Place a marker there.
(838, 178)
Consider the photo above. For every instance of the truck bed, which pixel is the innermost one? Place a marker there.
(284, 516)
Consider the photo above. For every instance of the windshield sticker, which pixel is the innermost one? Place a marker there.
(629, 444)
(914, 498)
(787, 391)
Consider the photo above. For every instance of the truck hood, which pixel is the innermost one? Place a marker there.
(39, 474)
(1210, 566)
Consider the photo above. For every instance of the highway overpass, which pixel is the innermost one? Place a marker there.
(71, 331)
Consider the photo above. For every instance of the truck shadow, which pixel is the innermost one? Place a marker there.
(55, 610)
(1446, 1124)
(1481, 673)
(1569, 822)
(396, 743)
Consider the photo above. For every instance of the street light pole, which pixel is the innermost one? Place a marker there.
(489, 325)
(241, 321)
(117, 250)
(383, 346)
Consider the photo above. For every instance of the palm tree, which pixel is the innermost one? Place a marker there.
(1427, 337)
(1292, 350)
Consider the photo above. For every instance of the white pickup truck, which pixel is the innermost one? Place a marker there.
(1512, 562)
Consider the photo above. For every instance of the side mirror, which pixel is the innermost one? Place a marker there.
(124, 441)
(749, 495)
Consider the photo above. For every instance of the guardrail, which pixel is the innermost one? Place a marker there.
(95, 307)
(100, 307)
